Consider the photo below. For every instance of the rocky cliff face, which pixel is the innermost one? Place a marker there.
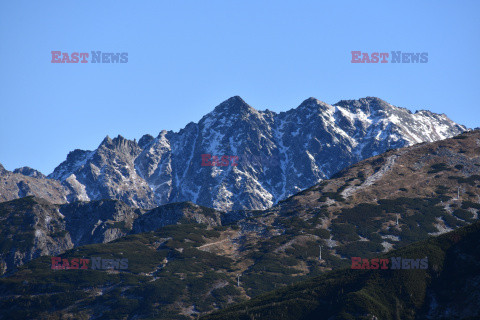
(270, 156)
(27, 171)
(98, 221)
(185, 212)
(20, 183)
(32, 227)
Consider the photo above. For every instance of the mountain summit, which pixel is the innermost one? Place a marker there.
(233, 105)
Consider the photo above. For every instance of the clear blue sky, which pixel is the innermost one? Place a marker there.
(185, 57)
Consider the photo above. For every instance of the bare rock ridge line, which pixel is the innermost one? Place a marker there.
(279, 154)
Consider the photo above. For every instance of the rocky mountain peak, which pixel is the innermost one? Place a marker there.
(106, 140)
(368, 105)
(75, 159)
(162, 134)
(112, 142)
(312, 103)
(76, 155)
(119, 143)
(145, 140)
(27, 171)
(232, 106)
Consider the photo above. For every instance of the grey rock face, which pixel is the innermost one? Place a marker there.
(106, 173)
(30, 228)
(27, 171)
(14, 185)
(98, 221)
(185, 212)
(276, 155)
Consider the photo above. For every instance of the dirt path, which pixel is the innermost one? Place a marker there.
(212, 243)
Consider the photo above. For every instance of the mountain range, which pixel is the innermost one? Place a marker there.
(276, 154)
(185, 260)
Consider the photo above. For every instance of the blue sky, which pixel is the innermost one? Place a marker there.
(186, 57)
